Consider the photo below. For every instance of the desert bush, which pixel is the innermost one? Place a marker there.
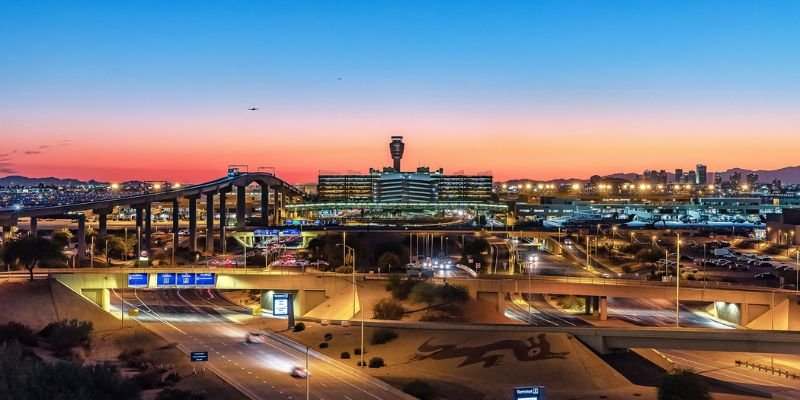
(299, 327)
(376, 362)
(388, 309)
(383, 336)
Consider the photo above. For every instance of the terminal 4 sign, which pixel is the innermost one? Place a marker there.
(276, 232)
(529, 393)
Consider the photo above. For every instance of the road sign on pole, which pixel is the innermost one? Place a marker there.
(198, 356)
(529, 393)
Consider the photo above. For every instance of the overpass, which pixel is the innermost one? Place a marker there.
(311, 290)
(234, 182)
(741, 304)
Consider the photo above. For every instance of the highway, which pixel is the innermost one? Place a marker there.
(201, 320)
(535, 310)
(657, 312)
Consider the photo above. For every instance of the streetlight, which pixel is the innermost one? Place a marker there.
(531, 260)
(353, 253)
(678, 281)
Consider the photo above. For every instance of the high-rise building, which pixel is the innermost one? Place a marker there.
(690, 177)
(752, 181)
(718, 179)
(701, 174)
(678, 175)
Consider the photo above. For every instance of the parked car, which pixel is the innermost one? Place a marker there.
(764, 258)
(766, 275)
(781, 268)
(739, 267)
(765, 264)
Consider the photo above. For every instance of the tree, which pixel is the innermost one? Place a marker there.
(388, 309)
(683, 384)
(424, 292)
(388, 260)
(62, 237)
(28, 251)
(117, 247)
(648, 255)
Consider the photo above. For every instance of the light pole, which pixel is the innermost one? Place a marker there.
(678, 281)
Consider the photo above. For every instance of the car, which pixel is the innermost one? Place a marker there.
(765, 264)
(766, 275)
(254, 337)
(298, 372)
(739, 267)
(764, 258)
(781, 268)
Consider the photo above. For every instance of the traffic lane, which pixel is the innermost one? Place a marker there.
(657, 312)
(722, 366)
(534, 310)
(245, 363)
(552, 265)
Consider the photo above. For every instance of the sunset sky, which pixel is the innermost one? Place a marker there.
(531, 89)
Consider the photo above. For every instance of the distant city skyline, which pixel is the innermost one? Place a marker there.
(543, 90)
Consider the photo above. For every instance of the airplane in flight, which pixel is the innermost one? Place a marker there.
(253, 109)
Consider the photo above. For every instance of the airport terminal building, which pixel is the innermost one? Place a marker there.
(392, 190)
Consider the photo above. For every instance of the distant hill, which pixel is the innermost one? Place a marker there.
(14, 180)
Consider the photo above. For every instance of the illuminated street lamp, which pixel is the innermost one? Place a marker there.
(532, 260)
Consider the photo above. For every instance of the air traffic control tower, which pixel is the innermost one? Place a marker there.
(396, 148)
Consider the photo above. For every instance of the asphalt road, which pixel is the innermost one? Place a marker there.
(200, 320)
(535, 310)
(657, 312)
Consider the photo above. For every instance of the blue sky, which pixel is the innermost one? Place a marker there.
(159, 65)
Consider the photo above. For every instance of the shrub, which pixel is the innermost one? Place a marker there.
(148, 379)
(344, 270)
(323, 345)
(172, 378)
(394, 282)
(383, 336)
(454, 293)
(180, 394)
(388, 309)
(376, 362)
(420, 389)
(683, 384)
(403, 289)
(128, 354)
(299, 327)
(67, 334)
(361, 363)
(14, 331)
(345, 355)
(328, 336)
(357, 351)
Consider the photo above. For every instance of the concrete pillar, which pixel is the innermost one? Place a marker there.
(240, 207)
(176, 218)
(81, 237)
(264, 205)
(283, 204)
(139, 217)
(33, 228)
(587, 305)
(103, 222)
(596, 306)
(193, 223)
(603, 308)
(210, 223)
(223, 210)
(148, 230)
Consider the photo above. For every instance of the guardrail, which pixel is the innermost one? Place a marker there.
(765, 368)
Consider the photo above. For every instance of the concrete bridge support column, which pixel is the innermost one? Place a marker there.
(210, 223)
(33, 231)
(223, 211)
(139, 219)
(148, 226)
(587, 305)
(264, 205)
(603, 308)
(81, 237)
(241, 217)
(283, 204)
(596, 306)
(101, 297)
(176, 217)
(193, 223)
(103, 222)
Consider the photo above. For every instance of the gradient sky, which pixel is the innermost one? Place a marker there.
(117, 90)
